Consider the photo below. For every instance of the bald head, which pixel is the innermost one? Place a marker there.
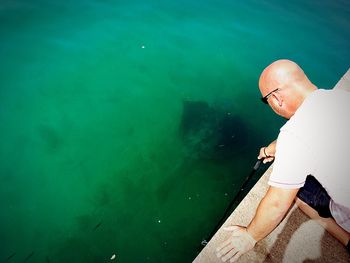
(292, 84)
(280, 73)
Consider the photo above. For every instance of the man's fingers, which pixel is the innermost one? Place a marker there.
(224, 250)
(236, 257)
(261, 153)
(239, 243)
(227, 242)
(264, 155)
(268, 159)
(224, 244)
(229, 255)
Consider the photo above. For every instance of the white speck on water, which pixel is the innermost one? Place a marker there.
(189, 198)
(113, 257)
(226, 194)
(159, 221)
(142, 46)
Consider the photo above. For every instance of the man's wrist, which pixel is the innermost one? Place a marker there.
(251, 236)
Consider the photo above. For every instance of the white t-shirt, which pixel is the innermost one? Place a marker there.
(316, 140)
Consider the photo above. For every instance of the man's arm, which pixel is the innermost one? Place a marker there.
(271, 210)
(269, 214)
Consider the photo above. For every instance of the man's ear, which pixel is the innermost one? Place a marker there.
(278, 98)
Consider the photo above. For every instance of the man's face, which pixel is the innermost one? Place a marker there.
(280, 110)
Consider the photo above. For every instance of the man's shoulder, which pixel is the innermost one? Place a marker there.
(330, 93)
(323, 101)
(324, 114)
(308, 111)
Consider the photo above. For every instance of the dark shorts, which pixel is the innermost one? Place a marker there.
(315, 196)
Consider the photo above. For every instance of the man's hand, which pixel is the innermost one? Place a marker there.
(268, 153)
(239, 243)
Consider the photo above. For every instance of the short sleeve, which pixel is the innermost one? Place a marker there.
(292, 162)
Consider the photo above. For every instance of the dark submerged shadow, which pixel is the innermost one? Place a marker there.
(211, 133)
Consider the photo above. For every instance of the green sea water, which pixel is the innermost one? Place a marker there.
(92, 162)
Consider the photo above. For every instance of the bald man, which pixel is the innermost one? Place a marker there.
(311, 168)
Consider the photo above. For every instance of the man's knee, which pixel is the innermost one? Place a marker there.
(298, 202)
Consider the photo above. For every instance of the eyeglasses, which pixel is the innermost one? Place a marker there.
(264, 99)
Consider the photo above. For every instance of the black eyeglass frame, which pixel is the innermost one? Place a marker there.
(265, 98)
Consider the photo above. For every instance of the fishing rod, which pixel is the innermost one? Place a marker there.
(229, 207)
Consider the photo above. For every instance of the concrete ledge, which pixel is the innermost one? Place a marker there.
(296, 239)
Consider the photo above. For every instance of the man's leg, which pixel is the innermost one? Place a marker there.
(328, 223)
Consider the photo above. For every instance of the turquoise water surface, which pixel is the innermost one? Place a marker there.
(128, 126)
